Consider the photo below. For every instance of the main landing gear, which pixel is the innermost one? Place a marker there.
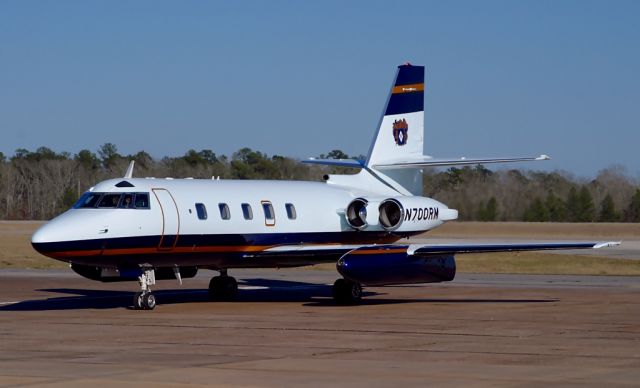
(145, 300)
(347, 292)
(223, 287)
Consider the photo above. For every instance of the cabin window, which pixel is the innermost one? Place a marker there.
(225, 214)
(109, 201)
(142, 201)
(247, 212)
(127, 201)
(269, 215)
(201, 210)
(291, 211)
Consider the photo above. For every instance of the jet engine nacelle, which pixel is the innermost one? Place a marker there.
(412, 214)
(362, 213)
(380, 266)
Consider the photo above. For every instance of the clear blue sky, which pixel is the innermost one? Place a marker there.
(301, 78)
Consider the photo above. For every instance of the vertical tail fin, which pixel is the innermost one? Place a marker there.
(395, 160)
(400, 132)
(399, 138)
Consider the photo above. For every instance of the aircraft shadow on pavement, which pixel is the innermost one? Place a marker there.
(251, 290)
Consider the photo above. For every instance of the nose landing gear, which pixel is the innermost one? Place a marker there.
(145, 300)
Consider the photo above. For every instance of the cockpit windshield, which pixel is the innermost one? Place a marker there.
(87, 200)
(109, 200)
(113, 201)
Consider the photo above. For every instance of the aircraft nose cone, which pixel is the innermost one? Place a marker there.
(41, 235)
(46, 233)
(42, 238)
(47, 238)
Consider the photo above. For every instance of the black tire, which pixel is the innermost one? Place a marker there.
(214, 287)
(229, 288)
(223, 288)
(347, 292)
(137, 301)
(149, 301)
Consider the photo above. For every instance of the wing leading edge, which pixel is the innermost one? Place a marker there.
(438, 249)
(429, 249)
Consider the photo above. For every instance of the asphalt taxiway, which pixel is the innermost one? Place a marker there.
(57, 329)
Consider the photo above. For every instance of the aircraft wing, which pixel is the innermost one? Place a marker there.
(439, 249)
(428, 249)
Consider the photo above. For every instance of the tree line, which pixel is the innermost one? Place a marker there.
(43, 183)
(481, 194)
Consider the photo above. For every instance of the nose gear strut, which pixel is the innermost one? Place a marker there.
(144, 299)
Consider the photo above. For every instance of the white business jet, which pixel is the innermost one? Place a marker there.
(149, 229)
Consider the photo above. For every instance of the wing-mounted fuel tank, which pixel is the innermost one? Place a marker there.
(398, 214)
(386, 265)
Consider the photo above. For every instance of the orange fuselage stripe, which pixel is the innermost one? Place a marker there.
(198, 249)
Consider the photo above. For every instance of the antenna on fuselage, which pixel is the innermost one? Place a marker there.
(129, 173)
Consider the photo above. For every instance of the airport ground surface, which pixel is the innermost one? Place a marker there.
(57, 329)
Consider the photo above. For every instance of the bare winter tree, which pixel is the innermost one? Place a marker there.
(43, 183)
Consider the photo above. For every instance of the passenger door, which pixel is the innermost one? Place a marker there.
(170, 219)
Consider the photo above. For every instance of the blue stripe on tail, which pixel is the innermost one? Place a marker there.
(410, 99)
(409, 74)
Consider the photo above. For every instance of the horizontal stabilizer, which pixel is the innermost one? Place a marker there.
(432, 162)
(336, 162)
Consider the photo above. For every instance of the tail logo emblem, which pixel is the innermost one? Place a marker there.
(400, 132)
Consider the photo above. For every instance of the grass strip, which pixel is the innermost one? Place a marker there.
(546, 263)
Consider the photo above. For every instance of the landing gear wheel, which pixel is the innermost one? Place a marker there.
(148, 301)
(347, 292)
(223, 288)
(144, 301)
(137, 301)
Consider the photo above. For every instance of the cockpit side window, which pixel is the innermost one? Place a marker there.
(127, 201)
(109, 200)
(142, 201)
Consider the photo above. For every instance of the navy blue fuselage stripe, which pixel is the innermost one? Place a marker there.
(212, 240)
(405, 103)
(408, 75)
